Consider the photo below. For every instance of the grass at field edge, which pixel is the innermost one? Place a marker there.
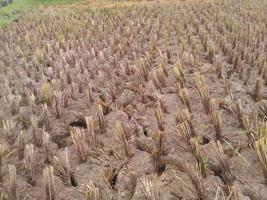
(12, 11)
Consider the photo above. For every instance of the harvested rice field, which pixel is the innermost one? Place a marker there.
(135, 100)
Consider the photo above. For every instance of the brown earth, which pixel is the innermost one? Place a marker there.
(63, 51)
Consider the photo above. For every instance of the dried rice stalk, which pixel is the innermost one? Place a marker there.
(185, 98)
(92, 192)
(257, 90)
(234, 193)
(49, 183)
(8, 125)
(36, 136)
(262, 105)
(218, 155)
(2, 152)
(162, 66)
(226, 87)
(178, 73)
(57, 104)
(203, 92)
(32, 103)
(261, 150)
(63, 169)
(79, 142)
(89, 94)
(183, 115)
(201, 163)
(159, 117)
(46, 148)
(194, 174)
(14, 101)
(101, 120)
(91, 136)
(21, 145)
(217, 123)
(123, 137)
(13, 182)
(150, 187)
(236, 108)
(185, 131)
(157, 154)
(30, 163)
(46, 92)
(142, 70)
(45, 117)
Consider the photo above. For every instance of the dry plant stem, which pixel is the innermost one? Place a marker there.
(163, 67)
(219, 70)
(89, 94)
(217, 153)
(46, 148)
(178, 72)
(237, 109)
(183, 115)
(101, 120)
(194, 174)
(156, 82)
(92, 192)
(45, 117)
(15, 102)
(161, 78)
(2, 152)
(185, 98)
(157, 154)
(21, 145)
(13, 182)
(49, 183)
(91, 136)
(203, 92)
(217, 123)
(63, 169)
(226, 87)
(261, 150)
(197, 154)
(186, 132)
(57, 104)
(247, 76)
(242, 117)
(159, 117)
(46, 89)
(79, 142)
(30, 163)
(262, 105)
(7, 126)
(150, 188)
(32, 103)
(142, 70)
(35, 132)
(160, 103)
(233, 192)
(122, 135)
(257, 90)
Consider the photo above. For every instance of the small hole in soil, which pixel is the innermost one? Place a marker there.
(78, 123)
(145, 133)
(218, 172)
(161, 168)
(61, 141)
(73, 180)
(205, 140)
(113, 181)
